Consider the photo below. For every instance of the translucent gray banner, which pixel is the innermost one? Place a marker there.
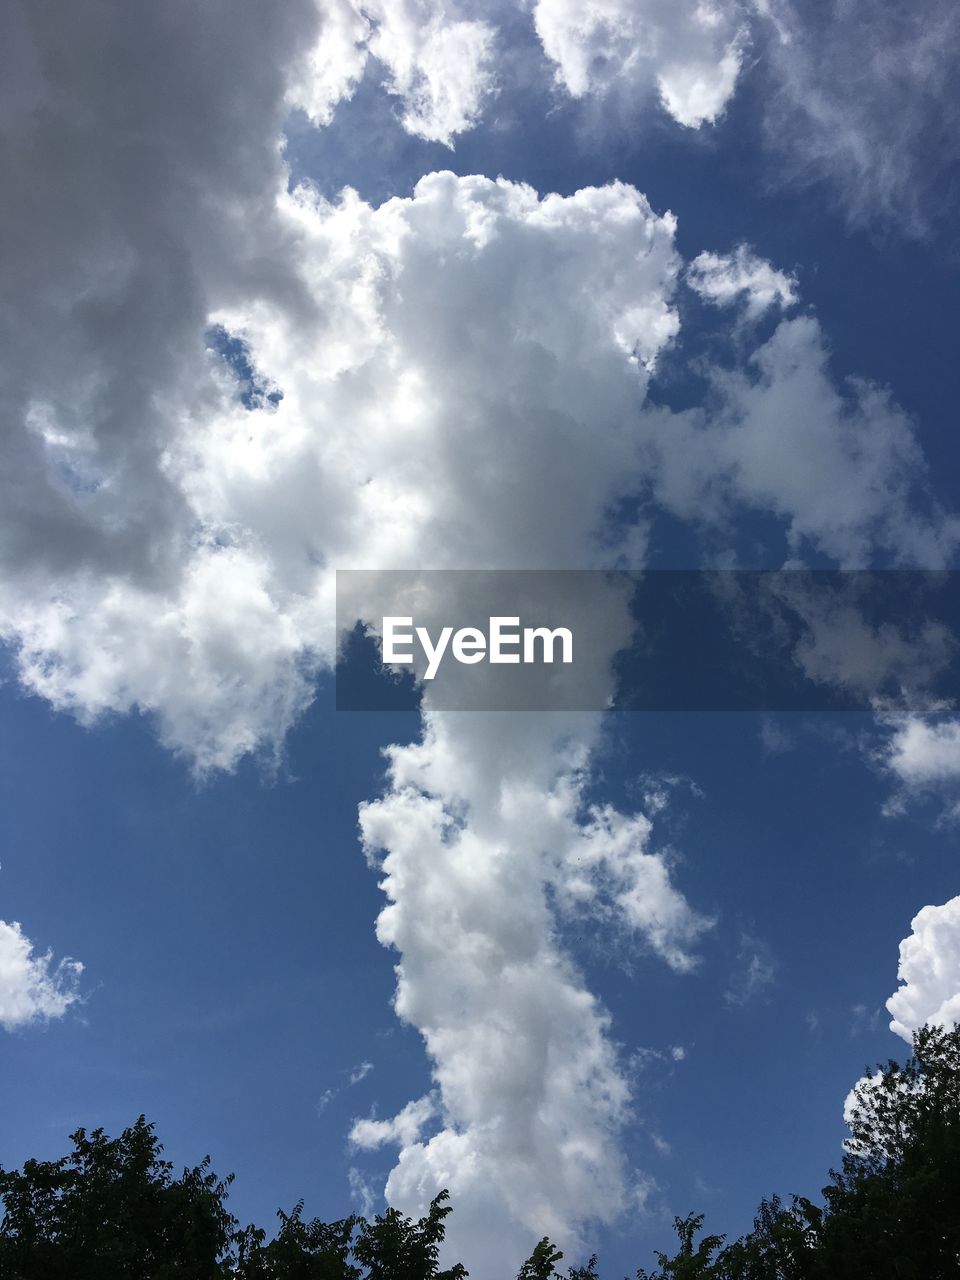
(585, 640)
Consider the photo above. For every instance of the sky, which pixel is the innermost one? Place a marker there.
(415, 285)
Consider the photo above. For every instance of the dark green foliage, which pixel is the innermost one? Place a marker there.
(781, 1245)
(893, 1209)
(542, 1263)
(112, 1210)
(891, 1212)
(589, 1272)
(393, 1247)
(301, 1250)
(693, 1260)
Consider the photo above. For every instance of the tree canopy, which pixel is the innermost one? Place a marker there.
(112, 1209)
(892, 1209)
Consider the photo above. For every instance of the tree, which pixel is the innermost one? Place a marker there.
(891, 1212)
(112, 1208)
(393, 1247)
(301, 1250)
(893, 1209)
(542, 1263)
(692, 1262)
(782, 1245)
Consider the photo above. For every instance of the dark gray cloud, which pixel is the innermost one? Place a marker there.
(140, 147)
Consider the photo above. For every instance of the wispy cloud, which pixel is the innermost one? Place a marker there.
(353, 1077)
(753, 975)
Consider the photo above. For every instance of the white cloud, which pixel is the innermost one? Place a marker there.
(611, 867)
(929, 994)
(440, 60)
(332, 69)
(853, 95)
(403, 1129)
(438, 63)
(725, 279)
(33, 988)
(923, 752)
(354, 1076)
(463, 375)
(383, 353)
(360, 1072)
(531, 1092)
(481, 822)
(929, 972)
(221, 660)
(570, 300)
(643, 1058)
(689, 53)
(840, 467)
(361, 1192)
(922, 755)
(377, 383)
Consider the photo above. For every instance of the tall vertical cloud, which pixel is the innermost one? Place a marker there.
(457, 378)
(482, 822)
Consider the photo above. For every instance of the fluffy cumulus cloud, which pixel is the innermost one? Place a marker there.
(33, 987)
(438, 64)
(861, 97)
(725, 279)
(929, 991)
(929, 972)
(921, 754)
(443, 61)
(690, 52)
(480, 818)
(217, 390)
(382, 356)
(381, 345)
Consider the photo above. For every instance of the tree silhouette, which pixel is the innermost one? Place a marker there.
(693, 1261)
(301, 1250)
(113, 1210)
(892, 1210)
(542, 1263)
(393, 1247)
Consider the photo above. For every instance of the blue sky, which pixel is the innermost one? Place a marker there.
(232, 977)
(640, 969)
